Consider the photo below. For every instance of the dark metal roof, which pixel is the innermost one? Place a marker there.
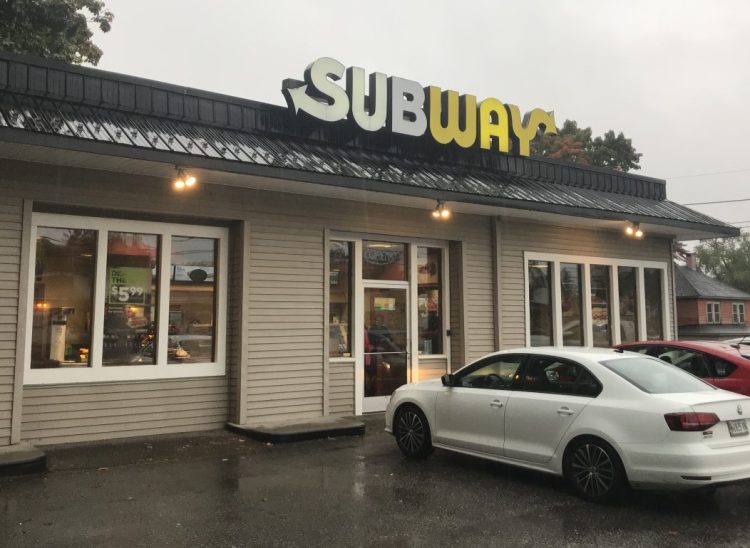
(713, 331)
(694, 284)
(87, 109)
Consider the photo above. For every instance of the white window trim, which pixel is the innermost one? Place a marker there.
(162, 370)
(713, 313)
(738, 312)
(588, 335)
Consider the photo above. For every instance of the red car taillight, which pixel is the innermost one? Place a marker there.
(690, 422)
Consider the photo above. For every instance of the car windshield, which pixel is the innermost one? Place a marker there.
(655, 376)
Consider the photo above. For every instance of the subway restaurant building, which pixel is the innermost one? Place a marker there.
(174, 260)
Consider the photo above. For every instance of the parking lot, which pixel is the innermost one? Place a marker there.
(219, 489)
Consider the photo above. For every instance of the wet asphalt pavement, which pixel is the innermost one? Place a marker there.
(219, 489)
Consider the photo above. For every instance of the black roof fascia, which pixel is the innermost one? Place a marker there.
(84, 85)
(275, 172)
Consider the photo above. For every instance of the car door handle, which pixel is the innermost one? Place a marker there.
(565, 411)
(496, 403)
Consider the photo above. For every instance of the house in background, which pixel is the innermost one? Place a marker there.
(708, 308)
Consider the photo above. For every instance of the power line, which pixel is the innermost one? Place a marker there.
(719, 202)
(710, 173)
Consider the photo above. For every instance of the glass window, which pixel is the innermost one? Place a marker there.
(192, 300)
(384, 261)
(340, 299)
(64, 276)
(430, 300)
(130, 305)
(652, 287)
(498, 374)
(601, 305)
(691, 361)
(626, 283)
(540, 303)
(723, 368)
(655, 376)
(713, 313)
(738, 313)
(571, 295)
(558, 376)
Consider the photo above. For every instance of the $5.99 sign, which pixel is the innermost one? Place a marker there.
(128, 285)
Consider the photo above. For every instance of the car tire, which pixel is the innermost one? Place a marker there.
(593, 470)
(412, 432)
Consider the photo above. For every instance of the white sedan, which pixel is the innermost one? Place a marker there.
(601, 418)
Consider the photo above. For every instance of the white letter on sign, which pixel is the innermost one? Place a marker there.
(372, 118)
(405, 104)
(326, 101)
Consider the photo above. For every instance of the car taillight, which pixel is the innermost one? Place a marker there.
(690, 422)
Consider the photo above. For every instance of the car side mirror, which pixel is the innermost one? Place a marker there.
(447, 379)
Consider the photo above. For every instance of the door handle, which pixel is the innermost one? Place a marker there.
(565, 411)
(496, 403)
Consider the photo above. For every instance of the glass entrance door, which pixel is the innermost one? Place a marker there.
(386, 344)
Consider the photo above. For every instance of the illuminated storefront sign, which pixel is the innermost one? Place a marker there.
(405, 107)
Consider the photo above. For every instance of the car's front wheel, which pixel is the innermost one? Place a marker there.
(594, 470)
(412, 432)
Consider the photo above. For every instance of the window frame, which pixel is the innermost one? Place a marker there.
(97, 372)
(713, 313)
(586, 261)
(738, 312)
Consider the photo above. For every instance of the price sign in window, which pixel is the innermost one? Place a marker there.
(130, 310)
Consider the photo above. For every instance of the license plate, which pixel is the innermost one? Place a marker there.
(737, 428)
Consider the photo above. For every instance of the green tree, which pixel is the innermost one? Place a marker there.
(727, 259)
(576, 145)
(53, 29)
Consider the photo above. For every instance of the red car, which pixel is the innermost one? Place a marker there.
(723, 365)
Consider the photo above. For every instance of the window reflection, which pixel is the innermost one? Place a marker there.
(340, 298)
(572, 305)
(429, 300)
(63, 297)
(130, 307)
(601, 305)
(192, 300)
(626, 283)
(540, 303)
(384, 261)
(652, 280)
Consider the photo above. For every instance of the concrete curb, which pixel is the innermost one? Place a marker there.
(21, 458)
(299, 431)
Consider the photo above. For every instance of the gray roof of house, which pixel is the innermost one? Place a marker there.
(694, 284)
(88, 110)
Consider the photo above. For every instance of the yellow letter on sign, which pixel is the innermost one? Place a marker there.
(493, 122)
(525, 131)
(464, 115)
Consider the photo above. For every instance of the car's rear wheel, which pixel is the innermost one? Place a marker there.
(412, 432)
(594, 470)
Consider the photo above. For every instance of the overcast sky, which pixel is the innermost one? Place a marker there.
(673, 75)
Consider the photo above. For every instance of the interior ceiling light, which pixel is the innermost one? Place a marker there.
(184, 180)
(441, 212)
(634, 230)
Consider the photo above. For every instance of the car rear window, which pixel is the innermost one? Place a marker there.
(655, 376)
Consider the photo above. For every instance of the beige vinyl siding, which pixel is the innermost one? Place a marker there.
(519, 237)
(431, 368)
(342, 388)
(284, 284)
(11, 214)
(285, 346)
(456, 292)
(86, 412)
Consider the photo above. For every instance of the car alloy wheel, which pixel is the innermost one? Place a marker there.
(594, 470)
(412, 433)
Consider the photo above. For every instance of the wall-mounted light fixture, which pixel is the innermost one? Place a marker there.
(441, 212)
(634, 230)
(183, 180)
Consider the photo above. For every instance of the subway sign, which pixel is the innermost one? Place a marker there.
(405, 107)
